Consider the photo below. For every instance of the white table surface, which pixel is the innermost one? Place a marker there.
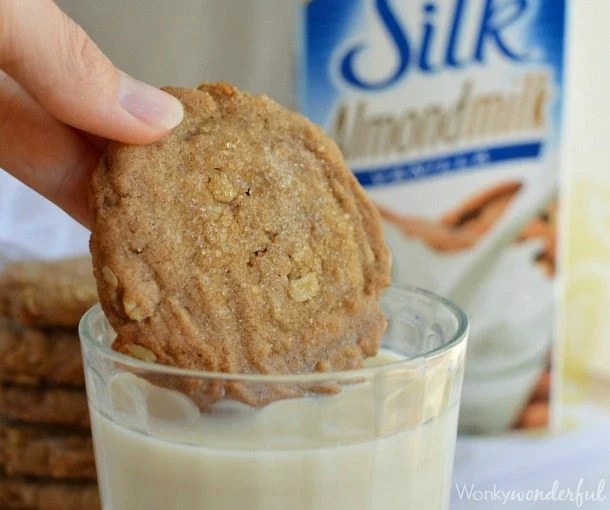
(523, 462)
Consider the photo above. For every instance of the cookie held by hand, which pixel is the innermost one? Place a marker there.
(240, 243)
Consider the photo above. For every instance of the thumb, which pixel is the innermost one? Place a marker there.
(62, 68)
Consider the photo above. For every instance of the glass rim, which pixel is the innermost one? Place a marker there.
(137, 365)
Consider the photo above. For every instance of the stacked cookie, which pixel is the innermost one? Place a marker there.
(46, 452)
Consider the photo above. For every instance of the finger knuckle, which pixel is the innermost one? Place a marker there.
(87, 62)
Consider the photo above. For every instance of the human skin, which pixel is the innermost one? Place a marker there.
(62, 99)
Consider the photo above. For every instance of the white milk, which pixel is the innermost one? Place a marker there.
(283, 456)
(385, 474)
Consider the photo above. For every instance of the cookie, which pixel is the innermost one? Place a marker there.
(46, 453)
(24, 494)
(47, 293)
(239, 243)
(53, 406)
(33, 356)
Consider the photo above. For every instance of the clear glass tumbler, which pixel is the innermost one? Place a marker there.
(380, 438)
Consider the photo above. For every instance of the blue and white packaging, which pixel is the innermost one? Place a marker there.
(449, 113)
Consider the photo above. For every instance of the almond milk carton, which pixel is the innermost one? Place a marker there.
(449, 113)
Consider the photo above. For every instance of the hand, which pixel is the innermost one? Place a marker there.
(61, 99)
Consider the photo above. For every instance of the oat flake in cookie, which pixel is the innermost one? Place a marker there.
(239, 243)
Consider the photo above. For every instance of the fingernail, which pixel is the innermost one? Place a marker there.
(149, 104)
